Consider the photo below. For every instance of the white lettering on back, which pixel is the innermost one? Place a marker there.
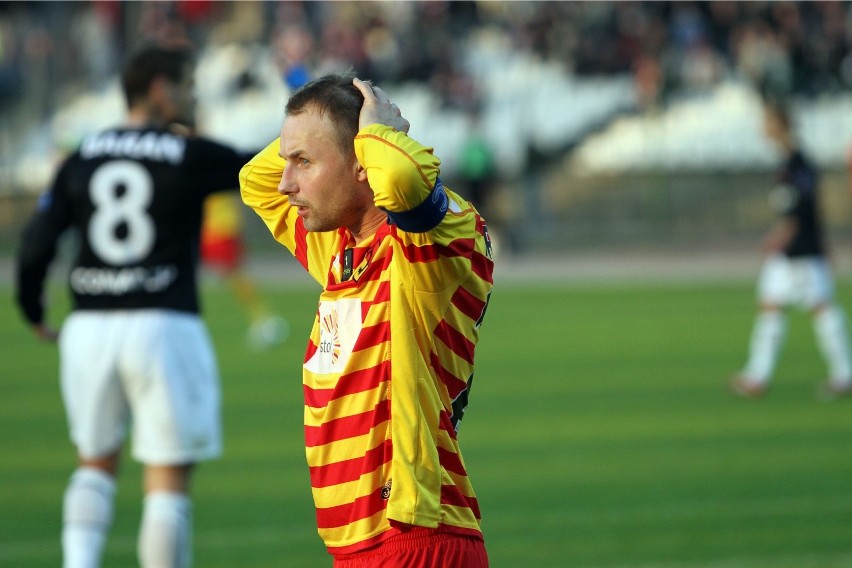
(156, 146)
(117, 282)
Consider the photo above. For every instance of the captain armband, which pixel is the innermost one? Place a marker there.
(425, 216)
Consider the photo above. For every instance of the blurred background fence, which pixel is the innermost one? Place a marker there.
(571, 124)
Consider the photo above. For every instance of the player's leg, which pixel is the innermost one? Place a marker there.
(97, 413)
(833, 339)
(176, 424)
(768, 330)
(165, 533)
(830, 326)
(767, 337)
(225, 255)
(87, 511)
(265, 328)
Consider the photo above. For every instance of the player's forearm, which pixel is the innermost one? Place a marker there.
(29, 295)
(38, 248)
(779, 236)
(402, 172)
(259, 180)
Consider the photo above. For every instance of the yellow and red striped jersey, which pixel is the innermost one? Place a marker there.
(223, 216)
(389, 364)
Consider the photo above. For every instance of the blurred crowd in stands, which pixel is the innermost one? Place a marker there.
(500, 88)
(793, 47)
(657, 53)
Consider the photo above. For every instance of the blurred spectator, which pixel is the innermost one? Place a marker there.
(762, 59)
(477, 170)
(670, 48)
(800, 43)
(10, 67)
(648, 77)
(92, 30)
(292, 47)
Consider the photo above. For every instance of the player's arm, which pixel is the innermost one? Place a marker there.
(404, 177)
(792, 200)
(780, 235)
(217, 165)
(36, 252)
(402, 172)
(788, 202)
(259, 180)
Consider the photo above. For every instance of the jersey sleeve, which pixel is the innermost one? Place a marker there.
(38, 248)
(217, 166)
(222, 216)
(404, 177)
(804, 179)
(259, 189)
(437, 222)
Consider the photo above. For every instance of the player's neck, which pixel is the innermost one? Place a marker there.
(368, 225)
(140, 116)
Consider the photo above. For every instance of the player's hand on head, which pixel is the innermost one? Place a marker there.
(378, 109)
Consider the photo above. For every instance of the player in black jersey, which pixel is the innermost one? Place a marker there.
(796, 272)
(134, 343)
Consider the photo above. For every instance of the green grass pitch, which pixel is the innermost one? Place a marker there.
(599, 435)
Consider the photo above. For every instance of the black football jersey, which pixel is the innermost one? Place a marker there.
(796, 195)
(135, 198)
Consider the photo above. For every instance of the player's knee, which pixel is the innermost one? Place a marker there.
(108, 463)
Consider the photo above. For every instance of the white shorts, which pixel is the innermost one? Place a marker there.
(155, 368)
(804, 281)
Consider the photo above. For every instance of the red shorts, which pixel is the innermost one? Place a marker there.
(223, 254)
(419, 547)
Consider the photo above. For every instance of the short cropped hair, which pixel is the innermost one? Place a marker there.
(149, 63)
(336, 96)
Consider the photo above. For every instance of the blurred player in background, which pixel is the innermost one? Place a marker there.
(134, 349)
(796, 272)
(406, 270)
(223, 252)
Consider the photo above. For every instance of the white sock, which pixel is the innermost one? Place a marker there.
(165, 537)
(87, 516)
(766, 339)
(833, 339)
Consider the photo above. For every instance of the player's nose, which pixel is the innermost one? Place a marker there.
(286, 185)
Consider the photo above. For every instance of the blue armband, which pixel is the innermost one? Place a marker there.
(425, 216)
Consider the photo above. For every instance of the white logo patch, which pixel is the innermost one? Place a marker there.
(339, 326)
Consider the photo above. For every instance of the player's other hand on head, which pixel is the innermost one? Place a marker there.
(378, 109)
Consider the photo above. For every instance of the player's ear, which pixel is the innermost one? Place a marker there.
(158, 89)
(360, 172)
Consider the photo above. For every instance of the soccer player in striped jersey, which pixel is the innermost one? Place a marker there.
(223, 252)
(134, 344)
(405, 265)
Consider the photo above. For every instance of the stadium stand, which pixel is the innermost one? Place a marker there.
(599, 88)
